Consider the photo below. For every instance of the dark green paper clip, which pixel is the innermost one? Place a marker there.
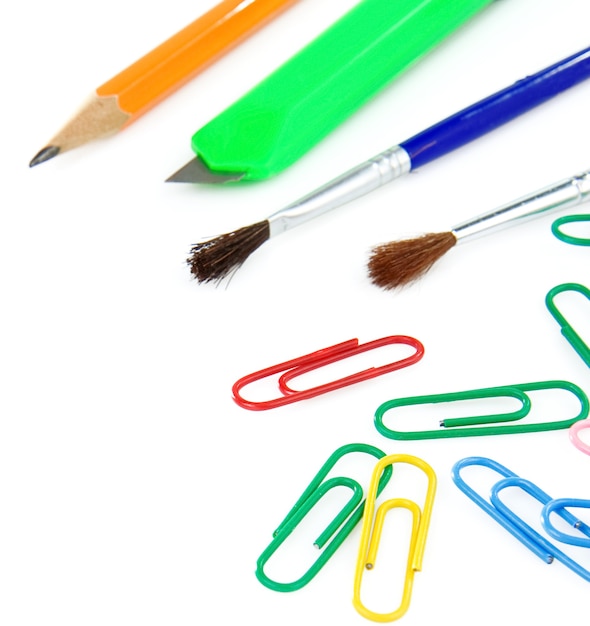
(567, 331)
(490, 424)
(342, 524)
(570, 219)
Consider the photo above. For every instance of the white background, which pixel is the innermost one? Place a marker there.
(133, 490)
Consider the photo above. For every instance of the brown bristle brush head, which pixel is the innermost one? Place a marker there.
(216, 259)
(399, 263)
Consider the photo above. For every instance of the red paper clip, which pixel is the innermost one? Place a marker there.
(303, 364)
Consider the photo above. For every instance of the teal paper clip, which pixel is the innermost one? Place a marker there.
(342, 524)
(490, 424)
(567, 331)
(570, 219)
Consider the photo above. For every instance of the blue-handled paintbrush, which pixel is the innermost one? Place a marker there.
(215, 259)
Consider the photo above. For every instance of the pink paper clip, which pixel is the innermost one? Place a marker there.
(574, 433)
(303, 364)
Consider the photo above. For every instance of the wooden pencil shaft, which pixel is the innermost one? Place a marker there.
(98, 118)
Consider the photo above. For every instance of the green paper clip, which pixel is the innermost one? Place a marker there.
(571, 239)
(567, 331)
(342, 524)
(490, 424)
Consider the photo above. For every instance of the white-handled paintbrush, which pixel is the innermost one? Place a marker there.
(398, 263)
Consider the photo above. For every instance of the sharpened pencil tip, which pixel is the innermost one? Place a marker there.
(196, 171)
(44, 155)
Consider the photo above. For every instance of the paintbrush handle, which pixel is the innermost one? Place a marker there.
(436, 141)
(565, 194)
(498, 109)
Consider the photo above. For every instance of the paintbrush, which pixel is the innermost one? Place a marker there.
(215, 259)
(399, 263)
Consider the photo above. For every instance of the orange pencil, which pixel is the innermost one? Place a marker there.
(139, 87)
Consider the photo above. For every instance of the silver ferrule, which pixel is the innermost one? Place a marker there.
(351, 185)
(565, 194)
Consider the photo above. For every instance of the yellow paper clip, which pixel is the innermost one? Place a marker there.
(371, 534)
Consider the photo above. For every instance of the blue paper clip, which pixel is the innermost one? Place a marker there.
(570, 219)
(346, 519)
(557, 506)
(518, 528)
(567, 331)
(489, 508)
(528, 487)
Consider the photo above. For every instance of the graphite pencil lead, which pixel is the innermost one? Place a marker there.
(44, 155)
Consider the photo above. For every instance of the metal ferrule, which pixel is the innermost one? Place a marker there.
(355, 183)
(567, 193)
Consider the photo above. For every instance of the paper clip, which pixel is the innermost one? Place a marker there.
(528, 487)
(320, 358)
(557, 506)
(570, 219)
(511, 522)
(574, 433)
(489, 508)
(468, 426)
(347, 518)
(567, 331)
(373, 525)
